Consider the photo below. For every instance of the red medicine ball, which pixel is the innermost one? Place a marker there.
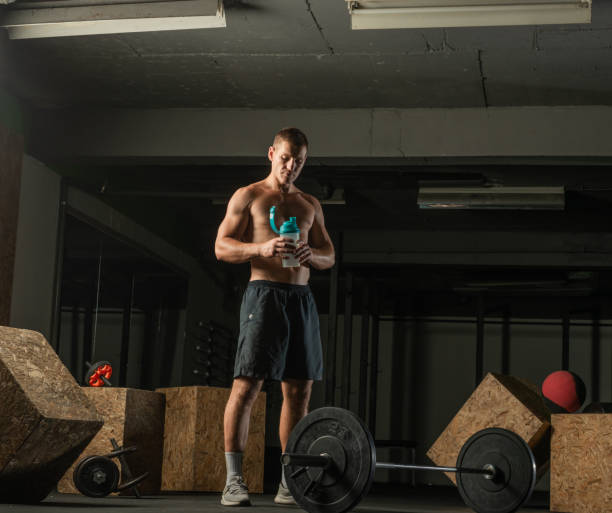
(565, 390)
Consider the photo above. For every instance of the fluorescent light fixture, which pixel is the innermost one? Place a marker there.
(49, 18)
(531, 290)
(491, 198)
(394, 14)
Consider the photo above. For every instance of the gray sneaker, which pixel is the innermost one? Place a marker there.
(236, 493)
(284, 496)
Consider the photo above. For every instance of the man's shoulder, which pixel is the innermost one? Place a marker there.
(250, 191)
(255, 188)
(309, 198)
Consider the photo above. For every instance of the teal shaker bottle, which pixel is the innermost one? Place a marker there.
(289, 230)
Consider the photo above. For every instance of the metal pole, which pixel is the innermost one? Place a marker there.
(595, 355)
(87, 338)
(348, 340)
(332, 327)
(374, 365)
(565, 342)
(56, 307)
(74, 341)
(364, 350)
(324, 460)
(479, 342)
(488, 470)
(125, 334)
(146, 359)
(505, 364)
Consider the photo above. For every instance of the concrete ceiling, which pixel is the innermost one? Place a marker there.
(302, 53)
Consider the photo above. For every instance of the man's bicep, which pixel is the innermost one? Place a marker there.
(232, 226)
(318, 233)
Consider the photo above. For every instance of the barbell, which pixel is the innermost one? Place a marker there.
(332, 459)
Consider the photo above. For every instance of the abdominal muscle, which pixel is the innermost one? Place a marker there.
(272, 269)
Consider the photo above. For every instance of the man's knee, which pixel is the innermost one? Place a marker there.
(297, 392)
(245, 390)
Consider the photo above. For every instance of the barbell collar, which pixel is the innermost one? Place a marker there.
(306, 460)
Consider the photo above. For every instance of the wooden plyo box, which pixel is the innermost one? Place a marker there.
(499, 401)
(581, 463)
(133, 418)
(194, 455)
(45, 418)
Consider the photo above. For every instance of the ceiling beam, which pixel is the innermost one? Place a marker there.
(508, 132)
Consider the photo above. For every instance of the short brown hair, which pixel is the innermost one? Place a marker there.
(294, 136)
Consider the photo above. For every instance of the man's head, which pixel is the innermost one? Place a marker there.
(288, 155)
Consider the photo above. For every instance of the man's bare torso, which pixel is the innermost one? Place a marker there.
(293, 204)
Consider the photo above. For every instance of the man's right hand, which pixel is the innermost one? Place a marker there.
(278, 246)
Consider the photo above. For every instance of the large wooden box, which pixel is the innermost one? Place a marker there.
(194, 455)
(499, 401)
(45, 418)
(581, 463)
(133, 418)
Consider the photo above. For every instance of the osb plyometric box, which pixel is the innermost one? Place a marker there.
(133, 418)
(194, 454)
(45, 418)
(499, 401)
(581, 463)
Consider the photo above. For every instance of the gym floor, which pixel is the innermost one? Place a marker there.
(379, 500)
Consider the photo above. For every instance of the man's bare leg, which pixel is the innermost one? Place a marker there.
(236, 430)
(296, 396)
(238, 412)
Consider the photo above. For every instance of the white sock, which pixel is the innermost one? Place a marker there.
(233, 463)
(283, 482)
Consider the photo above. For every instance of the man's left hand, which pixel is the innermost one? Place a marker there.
(303, 252)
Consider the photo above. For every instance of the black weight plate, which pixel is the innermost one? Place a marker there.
(96, 476)
(516, 471)
(343, 436)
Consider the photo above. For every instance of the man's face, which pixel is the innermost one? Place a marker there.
(287, 161)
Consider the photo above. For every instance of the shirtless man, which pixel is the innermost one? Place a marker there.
(279, 325)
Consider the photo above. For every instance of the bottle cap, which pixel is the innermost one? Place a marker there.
(289, 226)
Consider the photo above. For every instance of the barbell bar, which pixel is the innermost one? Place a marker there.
(325, 460)
(332, 458)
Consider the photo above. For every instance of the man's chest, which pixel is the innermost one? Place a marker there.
(292, 205)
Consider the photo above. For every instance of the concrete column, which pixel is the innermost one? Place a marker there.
(11, 154)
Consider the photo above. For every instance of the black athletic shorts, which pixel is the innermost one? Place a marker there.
(279, 333)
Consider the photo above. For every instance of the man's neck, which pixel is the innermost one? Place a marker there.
(273, 184)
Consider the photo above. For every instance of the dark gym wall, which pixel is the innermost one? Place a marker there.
(11, 113)
(11, 154)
